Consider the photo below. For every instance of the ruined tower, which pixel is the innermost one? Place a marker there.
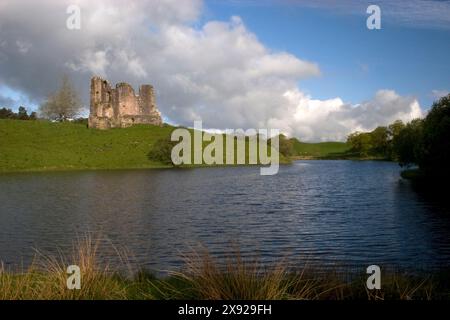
(120, 107)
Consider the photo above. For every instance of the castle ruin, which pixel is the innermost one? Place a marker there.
(120, 107)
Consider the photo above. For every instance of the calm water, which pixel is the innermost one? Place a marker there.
(326, 212)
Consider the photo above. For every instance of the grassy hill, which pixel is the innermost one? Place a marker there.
(43, 145)
(319, 150)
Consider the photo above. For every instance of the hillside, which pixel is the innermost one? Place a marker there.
(327, 150)
(42, 145)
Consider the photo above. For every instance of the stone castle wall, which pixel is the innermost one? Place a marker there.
(120, 107)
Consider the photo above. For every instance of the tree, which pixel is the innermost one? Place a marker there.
(6, 113)
(63, 104)
(395, 128)
(435, 159)
(22, 114)
(162, 151)
(380, 141)
(286, 146)
(360, 142)
(407, 144)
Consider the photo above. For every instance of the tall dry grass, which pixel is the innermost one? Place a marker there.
(202, 277)
(46, 278)
(237, 278)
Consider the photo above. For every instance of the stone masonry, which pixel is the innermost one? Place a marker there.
(120, 107)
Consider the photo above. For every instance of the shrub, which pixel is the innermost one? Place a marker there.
(162, 151)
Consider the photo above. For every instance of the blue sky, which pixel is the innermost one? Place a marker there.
(354, 61)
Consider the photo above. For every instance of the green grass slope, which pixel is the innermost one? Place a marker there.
(319, 150)
(42, 145)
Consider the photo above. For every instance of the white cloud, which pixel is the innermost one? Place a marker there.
(217, 71)
(324, 120)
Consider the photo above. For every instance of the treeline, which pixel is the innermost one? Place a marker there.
(22, 114)
(378, 143)
(62, 105)
(422, 142)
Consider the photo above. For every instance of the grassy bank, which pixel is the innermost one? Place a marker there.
(204, 277)
(42, 145)
(320, 150)
(46, 146)
(329, 151)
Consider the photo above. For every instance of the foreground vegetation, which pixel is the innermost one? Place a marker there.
(204, 277)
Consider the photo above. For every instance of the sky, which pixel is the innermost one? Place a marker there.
(309, 68)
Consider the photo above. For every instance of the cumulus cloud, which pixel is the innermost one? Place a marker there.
(216, 71)
(333, 119)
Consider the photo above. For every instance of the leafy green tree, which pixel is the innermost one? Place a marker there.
(64, 104)
(395, 128)
(435, 159)
(22, 114)
(360, 142)
(162, 151)
(380, 141)
(407, 144)
(286, 146)
(6, 113)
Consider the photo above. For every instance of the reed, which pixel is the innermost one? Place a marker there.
(204, 277)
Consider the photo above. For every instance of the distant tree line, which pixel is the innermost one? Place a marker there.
(422, 142)
(378, 143)
(61, 105)
(22, 114)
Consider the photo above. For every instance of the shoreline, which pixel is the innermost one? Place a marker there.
(170, 167)
(152, 167)
(42, 146)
